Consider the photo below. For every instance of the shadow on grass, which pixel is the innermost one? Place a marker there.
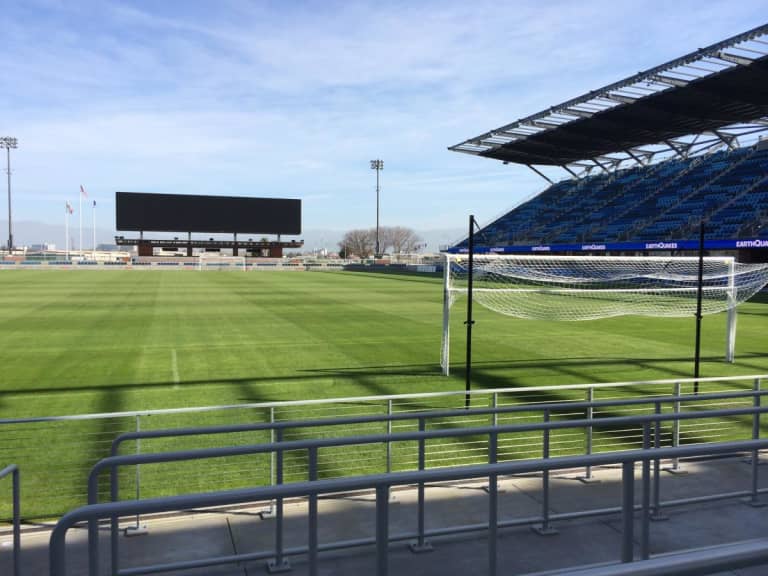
(486, 374)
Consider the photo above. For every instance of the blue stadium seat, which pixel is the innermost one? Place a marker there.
(665, 201)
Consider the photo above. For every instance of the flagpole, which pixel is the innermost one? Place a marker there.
(94, 229)
(66, 230)
(80, 245)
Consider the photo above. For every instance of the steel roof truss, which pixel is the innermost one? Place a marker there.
(734, 59)
(528, 137)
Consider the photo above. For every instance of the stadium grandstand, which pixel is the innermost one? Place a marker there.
(648, 158)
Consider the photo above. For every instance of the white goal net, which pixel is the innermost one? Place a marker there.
(592, 287)
(216, 262)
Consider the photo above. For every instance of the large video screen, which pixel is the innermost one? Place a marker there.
(140, 211)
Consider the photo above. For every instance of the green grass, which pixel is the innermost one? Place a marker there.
(87, 341)
(77, 342)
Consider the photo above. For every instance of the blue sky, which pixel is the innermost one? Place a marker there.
(293, 99)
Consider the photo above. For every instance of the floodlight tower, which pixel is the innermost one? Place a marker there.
(377, 165)
(9, 142)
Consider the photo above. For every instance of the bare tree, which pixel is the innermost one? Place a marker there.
(404, 240)
(358, 242)
(394, 239)
(399, 239)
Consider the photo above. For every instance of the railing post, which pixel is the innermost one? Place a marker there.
(279, 563)
(628, 511)
(138, 470)
(590, 415)
(93, 527)
(545, 529)
(382, 530)
(494, 399)
(114, 523)
(493, 504)
(421, 545)
(754, 497)
(270, 512)
(389, 442)
(272, 441)
(589, 436)
(645, 530)
(676, 391)
(138, 528)
(656, 510)
(389, 433)
(312, 536)
(16, 487)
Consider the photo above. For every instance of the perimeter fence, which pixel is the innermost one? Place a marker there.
(255, 265)
(68, 446)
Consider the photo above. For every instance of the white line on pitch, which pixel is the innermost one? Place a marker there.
(175, 368)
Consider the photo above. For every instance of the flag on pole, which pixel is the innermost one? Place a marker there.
(83, 192)
(94, 203)
(69, 208)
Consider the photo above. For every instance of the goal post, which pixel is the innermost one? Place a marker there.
(572, 288)
(217, 262)
(730, 339)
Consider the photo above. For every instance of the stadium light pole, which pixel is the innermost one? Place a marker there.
(9, 142)
(377, 165)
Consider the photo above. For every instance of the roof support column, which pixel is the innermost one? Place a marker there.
(540, 173)
(728, 140)
(682, 154)
(603, 168)
(571, 172)
(635, 158)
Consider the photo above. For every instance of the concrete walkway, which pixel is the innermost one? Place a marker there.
(521, 550)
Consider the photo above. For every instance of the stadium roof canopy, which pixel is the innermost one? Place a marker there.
(720, 91)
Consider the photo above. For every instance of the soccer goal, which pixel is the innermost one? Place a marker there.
(592, 287)
(218, 262)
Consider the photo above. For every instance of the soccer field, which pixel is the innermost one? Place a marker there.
(105, 341)
(85, 342)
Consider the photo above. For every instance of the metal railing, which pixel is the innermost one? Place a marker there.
(13, 471)
(382, 483)
(651, 438)
(710, 560)
(436, 418)
(72, 444)
(574, 407)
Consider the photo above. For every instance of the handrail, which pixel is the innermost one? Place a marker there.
(313, 445)
(383, 482)
(710, 560)
(316, 443)
(13, 470)
(427, 414)
(394, 397)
